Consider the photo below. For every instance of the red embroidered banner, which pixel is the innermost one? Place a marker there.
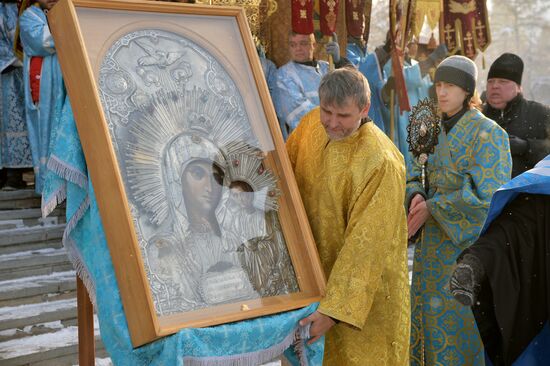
(302, 16)
(328, 13)
(466, 26)
(358, 18)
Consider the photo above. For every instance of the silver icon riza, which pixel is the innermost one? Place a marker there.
(203, 202)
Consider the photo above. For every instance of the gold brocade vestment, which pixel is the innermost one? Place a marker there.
(353, 191)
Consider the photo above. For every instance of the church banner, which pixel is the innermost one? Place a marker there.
(397, 28)
(466, 27)
(302, 16)
(426, 10)
(328, 13)
(358, 18)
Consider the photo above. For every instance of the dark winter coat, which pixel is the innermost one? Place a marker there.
(528, 126)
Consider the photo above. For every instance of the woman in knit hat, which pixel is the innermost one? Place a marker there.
(471, 160)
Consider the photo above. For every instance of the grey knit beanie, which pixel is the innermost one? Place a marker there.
(458, 70)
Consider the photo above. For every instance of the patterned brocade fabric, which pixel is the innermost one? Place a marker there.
(353, 192)
(468, 166)
(15, 151)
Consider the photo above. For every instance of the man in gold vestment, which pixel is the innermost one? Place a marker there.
(352, 181)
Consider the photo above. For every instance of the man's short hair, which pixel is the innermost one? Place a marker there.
(291, 34)
(339, 85)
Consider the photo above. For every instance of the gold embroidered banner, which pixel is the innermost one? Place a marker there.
(466, 27)
(429, 10)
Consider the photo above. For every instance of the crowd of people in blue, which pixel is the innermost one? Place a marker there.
(481, 282)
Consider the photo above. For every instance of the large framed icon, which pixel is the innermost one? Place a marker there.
(197, 197)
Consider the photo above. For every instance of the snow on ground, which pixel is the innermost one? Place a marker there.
(43, 252)
(30, 310)
(41, 343)
(37, 281)
(49, 325)
(102, 362)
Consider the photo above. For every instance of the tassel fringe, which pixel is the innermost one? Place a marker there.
(67, 172)
(80, 268)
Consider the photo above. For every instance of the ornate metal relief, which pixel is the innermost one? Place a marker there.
(203, 201)
(423, 129)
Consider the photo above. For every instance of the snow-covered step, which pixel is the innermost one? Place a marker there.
(12, 317)
(37, 288)
(28, 217)
(28, 213)
(35, 329)
(25, 239)
(32, 234)
(59, 348)
(33, 263)
(25, 247)
(24, 198)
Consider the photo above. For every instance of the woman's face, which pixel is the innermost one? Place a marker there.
(450, 97)
(202, 186)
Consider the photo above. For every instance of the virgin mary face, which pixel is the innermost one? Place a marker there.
(201, 183)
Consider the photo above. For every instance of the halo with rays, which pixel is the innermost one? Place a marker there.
(197, 112)
(249, 168)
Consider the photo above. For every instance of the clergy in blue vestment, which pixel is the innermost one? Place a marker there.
(268, 67)
(298, 80)
(470, 162)
(38, 43)
(371, 67)
(270, 73)
(15, 151)
(356, 50)
(418, 85)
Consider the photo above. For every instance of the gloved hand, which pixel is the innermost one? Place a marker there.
(332, 48)
(518, 146)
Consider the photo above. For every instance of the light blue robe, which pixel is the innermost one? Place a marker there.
(418, 88)
(270, 73)
(377, 79)
(15, 151)
(296, 92)
(355, 54)
(37, 41)
(469, 164)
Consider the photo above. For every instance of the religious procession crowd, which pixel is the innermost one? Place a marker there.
(480, 277)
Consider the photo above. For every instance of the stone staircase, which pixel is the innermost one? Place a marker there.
(37, 287)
